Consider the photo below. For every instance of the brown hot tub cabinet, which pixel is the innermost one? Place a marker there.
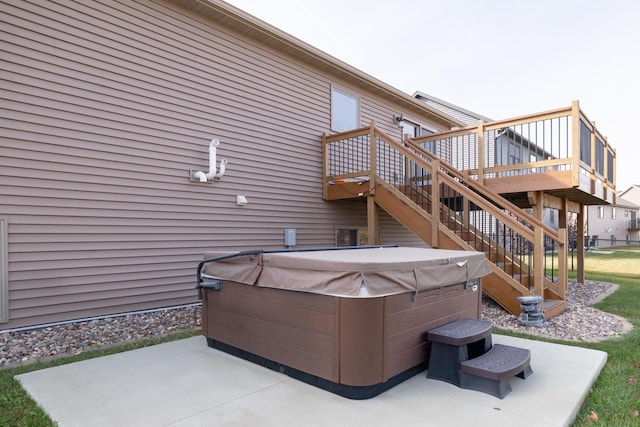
(353, 321)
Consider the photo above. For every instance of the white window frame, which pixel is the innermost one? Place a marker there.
(421, 130)
(600, 211)
(340, 121)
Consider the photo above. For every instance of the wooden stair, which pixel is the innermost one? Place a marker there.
(507, 281)
(438, 206)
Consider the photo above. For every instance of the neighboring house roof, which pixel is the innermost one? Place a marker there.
(631, 201)
(469, 117)
(622, 203)
(250, 26)
(629, 198)
(635, 187)
(466, 116)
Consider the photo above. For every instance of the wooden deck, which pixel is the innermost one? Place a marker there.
(452, 190)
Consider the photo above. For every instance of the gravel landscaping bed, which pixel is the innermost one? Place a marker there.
(27, 346)
(580, 322)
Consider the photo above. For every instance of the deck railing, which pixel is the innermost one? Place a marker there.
(559, 140)
(515, 242)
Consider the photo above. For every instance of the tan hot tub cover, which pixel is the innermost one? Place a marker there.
(351, 272)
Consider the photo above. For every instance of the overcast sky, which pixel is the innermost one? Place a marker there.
(498, 58)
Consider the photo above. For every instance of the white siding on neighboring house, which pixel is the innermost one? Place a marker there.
(613, 227)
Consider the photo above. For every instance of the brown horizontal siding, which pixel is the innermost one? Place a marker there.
(172, 69)
(48, 313)
(98, 295)
(105, 108)
(392, 232)
(142, 281)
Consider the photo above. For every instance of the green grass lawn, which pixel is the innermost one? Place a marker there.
(613, 401)
(615, 397)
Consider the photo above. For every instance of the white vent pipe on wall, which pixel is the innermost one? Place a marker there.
(214, 172)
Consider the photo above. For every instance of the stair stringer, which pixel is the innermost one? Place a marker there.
(498, 285)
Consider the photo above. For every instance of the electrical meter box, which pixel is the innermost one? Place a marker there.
(289, 236)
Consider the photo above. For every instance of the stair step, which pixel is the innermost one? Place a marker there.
(502, 361)
(454, 342)
(461, 332)
(491, 372)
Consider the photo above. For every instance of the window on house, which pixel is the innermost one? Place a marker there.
(344, 111)
(352, 237)
(613, 213)
(431, 145)
(515, 154)
(409, 128)
(600, 211)
(413, 130)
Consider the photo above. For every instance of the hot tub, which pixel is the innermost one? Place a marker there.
(352, 321)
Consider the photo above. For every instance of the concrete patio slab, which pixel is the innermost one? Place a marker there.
(185, 383)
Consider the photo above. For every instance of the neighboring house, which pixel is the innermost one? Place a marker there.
(615, 224)
(509, 147)
(107, 113)
(469, 118)
(631, 194)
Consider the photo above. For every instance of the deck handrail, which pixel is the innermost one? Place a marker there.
(559, 139)
(482, 189)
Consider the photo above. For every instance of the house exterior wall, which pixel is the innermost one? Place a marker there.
(106, 107)
(608, 231)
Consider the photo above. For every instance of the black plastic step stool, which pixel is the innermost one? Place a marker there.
(454, 343)
(491, 372)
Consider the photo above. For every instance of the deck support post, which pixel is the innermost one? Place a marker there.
(580, 234)
(575, 143)
(372, 211)
(563, 251)
(372, 221)
(436, 205)
(538, 253)
(481, 151)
